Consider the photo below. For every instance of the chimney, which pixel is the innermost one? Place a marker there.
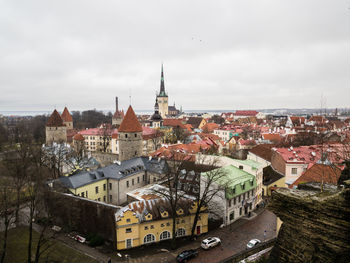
(116, 104)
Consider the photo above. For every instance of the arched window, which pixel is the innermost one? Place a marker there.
(149, 239)
(165, 235)
(180, 232)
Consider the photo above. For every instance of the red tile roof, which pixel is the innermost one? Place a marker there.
(263, 151)
(55, 120)
(319, 173)
(311, 154)
(78, 137)
(173, 123)
(210, 126)
(130, 122)
(246, 113)
(66, 116)
(273, 137)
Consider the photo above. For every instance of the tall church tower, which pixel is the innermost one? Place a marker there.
(162, 97)
(130, 136)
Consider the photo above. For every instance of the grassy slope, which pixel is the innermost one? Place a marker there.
(58, 252)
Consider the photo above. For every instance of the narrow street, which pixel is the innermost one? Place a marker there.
(234, 239)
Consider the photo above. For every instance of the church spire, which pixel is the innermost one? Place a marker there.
(162, 88)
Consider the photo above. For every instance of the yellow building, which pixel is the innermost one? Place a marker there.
(272, 179)
(148, 221)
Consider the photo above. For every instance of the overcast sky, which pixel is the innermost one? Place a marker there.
(235, 54)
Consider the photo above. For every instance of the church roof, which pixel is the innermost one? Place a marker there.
(66, 116)
(130, 122)
(118, 114)
(55, 120)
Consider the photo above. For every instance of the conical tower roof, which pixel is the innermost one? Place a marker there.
(55, 120)
(66, 116)
(130, 122)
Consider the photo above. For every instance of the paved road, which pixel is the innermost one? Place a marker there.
(234, 239)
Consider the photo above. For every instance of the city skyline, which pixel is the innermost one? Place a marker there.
(216, 56)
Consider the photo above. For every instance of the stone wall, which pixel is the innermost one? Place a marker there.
(316, 226)
(83, 215)
(56, 134)
(130, 145)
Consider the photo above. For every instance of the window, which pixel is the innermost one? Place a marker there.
(99, 199)
(241, 167)
(104, 187)
(127, 183)
(82, 194)
(232, 215)
(128, 243)
(138, 180)
(168, 224)
(110, 186)
(135, 152)
(128, 230)
(143, 177)
(110, 198)
(135, 135)
(180, 232)
(164, 235)
(243, 186)
(104, 198)
(148, 239)
(146, 227)
(96, 189)
(162, 225)
(132, 181)
(128, 220)
(86, 193)
(152, 226)
(240, 211)
(294, 170)
(126, 136)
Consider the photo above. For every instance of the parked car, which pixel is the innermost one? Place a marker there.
(253, 243)
(210, 242)
(184, 256)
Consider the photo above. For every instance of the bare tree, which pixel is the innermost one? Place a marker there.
(208, 184)
(7, 214)
(171, 192)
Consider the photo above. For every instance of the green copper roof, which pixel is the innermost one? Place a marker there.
(162, 94)
(237, 181)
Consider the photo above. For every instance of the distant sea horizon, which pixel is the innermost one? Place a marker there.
(150, 112)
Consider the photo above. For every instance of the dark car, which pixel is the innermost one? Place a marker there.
(186, 255)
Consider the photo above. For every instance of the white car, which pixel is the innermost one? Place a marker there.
(253, 243)
(210, 242)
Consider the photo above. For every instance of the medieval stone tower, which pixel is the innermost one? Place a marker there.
(130, 136)
(162, 97)
(67, 119)
(56, 130)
